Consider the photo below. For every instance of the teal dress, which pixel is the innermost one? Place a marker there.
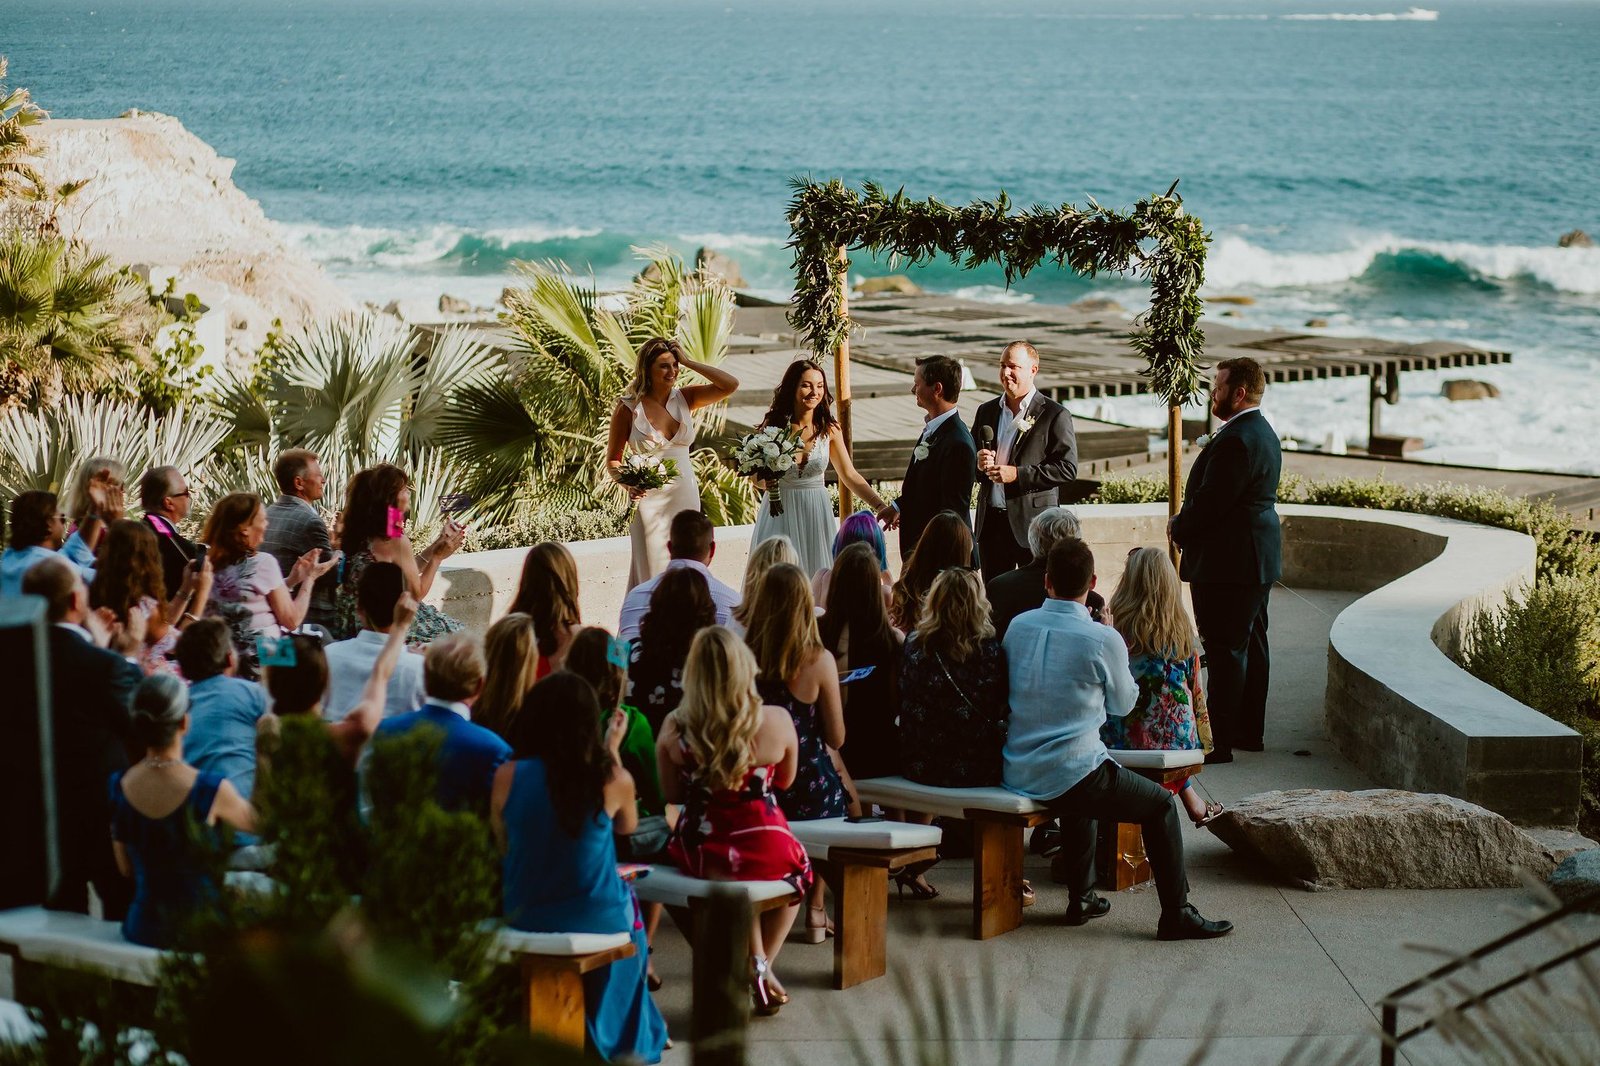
(555, 883)
(170, 879)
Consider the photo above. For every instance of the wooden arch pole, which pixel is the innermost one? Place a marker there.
(1174, 470)
(841, 377)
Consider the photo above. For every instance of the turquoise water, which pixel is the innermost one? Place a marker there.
(1399, 176)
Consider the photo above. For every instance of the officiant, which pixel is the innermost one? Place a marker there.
(1026, 452)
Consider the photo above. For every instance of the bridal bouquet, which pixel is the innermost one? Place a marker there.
(769, 454)
(641, 470)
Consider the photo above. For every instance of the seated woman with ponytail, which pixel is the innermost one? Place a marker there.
(156, 806)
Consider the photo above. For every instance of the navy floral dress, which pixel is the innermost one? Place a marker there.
(655, 685)
(429, 624)
(817, 791)
(951, 735)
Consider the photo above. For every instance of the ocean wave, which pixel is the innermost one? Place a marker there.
(1415, 14)
(1235, 263)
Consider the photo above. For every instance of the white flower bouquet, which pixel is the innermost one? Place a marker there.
(769, 454)
(644, 471)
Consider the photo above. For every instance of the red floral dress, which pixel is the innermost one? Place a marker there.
(738, 834)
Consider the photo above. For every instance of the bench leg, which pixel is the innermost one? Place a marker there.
(861, 897)
(555, 1002)
(996, 879)
(1122, 861)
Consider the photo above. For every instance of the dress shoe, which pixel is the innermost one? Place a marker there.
(1254, 745)
(1079, 911)
(1218, 755)
(1046, 840)
(1186, 924)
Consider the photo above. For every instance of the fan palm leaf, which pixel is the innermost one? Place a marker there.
(340, 390)
(457, 360)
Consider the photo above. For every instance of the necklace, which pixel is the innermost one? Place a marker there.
(158, 763)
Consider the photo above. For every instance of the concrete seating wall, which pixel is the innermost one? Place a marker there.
(1397, 705)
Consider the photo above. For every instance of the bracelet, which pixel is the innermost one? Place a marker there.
(189, 616)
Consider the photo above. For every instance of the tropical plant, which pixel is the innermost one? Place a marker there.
(18, 112)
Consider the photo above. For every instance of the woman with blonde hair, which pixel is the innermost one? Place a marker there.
(763, 557)
(655, 417)
(511, 659)
(721, 755)
(548, 594)
(1164, 656)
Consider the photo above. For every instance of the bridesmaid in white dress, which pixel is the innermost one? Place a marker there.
(654, 416)
(803, 400)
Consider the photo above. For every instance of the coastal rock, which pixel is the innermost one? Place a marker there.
(1316, 323)
(1577, 876)
(896, 284)
(1241, 301)
(1096, 305)
(454, 305)
(1466, 389)
(712, 263)
(1575, 239)
(1379, 838)
(393, 308)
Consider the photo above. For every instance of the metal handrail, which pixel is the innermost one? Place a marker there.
(1391, 1003)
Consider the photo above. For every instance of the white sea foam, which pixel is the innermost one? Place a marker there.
(402, 248)
(1415, 14)
(992, 294)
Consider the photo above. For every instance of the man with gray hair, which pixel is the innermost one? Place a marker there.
(164, 495)
(295, 526)
(1016, 591)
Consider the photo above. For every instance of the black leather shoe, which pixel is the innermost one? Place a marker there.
(1079, 911)
(1046, 839)
(1186, 924)
(1254, 745)
(1214, 757)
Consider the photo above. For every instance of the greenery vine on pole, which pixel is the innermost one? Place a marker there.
(1156, 240)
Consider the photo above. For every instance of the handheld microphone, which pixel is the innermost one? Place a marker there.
(986, 434)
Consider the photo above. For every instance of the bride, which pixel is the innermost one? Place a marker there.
(655, 417)
(803, 400)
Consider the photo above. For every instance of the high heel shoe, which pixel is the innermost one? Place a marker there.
(816, 932)
(909, 879)
(766, 1004)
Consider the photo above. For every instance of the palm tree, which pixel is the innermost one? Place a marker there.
(17, 113)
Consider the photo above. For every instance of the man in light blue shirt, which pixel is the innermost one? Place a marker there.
(1067, 674)
(223, 710)
(38, 530)
(350, 661)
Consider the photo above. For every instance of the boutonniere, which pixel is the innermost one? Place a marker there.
(1202, 440)
(1023, 424)
(919, 453)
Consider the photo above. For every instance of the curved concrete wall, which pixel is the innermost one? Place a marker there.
(1397, 705)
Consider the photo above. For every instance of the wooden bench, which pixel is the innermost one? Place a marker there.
(552, 967)
(860, 855)
(1120, 855)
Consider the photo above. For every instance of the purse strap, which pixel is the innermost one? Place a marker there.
(940, 660)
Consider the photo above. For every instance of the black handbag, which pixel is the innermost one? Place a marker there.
(646, 843)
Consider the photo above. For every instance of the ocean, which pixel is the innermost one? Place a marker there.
(1399, 172)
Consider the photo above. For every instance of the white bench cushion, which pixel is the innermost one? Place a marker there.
(951, 802)
(1160, 759)
(515, 942)
(821, 834)
(665, 884)
(78, 942)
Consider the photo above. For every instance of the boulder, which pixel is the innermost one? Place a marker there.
(1380, 838)
(1242, 301)
(1316, 323)
(393, 308)
(712, 263)
(1096, 305)
(1466, 389)
(1578, 875)
(1575, 239)
(454, 305)
(898, 284)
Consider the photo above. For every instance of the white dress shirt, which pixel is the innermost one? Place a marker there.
(636, 604)
(349, 666)
(1005, 438)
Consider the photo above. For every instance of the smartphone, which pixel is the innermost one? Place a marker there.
(200, 553)
(856, 675)
(455, 502)
(395, 525)
(853, 820)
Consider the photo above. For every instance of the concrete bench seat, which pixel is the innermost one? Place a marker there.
(34, 936)
(552, 967)
(859, 856)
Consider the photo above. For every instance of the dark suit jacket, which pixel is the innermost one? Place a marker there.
(176, 554)
(1017, 591)
(1228, 528)
(940, 482)
(91, 695)
(1046, 458)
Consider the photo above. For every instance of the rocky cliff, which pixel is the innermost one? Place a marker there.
(160, 196)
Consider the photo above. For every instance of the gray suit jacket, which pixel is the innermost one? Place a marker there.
(1046, 458)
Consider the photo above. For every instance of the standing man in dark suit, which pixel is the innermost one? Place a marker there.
(1029, 451)
(91, 692)
(944, 461)
(1232, 553)
(164, 495)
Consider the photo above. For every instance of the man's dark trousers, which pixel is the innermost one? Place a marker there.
(1112, 793)
(1232, 620)
(998, 550)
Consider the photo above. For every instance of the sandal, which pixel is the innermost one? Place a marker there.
(1214, 810)
(814, 932)
(761, 997)
(1028, 899)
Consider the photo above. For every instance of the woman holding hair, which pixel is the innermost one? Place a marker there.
(373, 530)
(946, 543)
(656, 417)
(130, 576)
(680, 607)
(856, 629)
(721, 755)
(554, 810)
(248, 591)
(156, 806)
(803, 402)
(774, 551)
(1164, 656)
(548, 594)
(511, 667)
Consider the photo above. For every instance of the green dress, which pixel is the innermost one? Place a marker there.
(430, 623)
(639, 759)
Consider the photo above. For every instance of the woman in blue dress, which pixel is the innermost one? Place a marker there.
(555, 808)
(156, 805)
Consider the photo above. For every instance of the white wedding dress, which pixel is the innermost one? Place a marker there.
(652, 517)
(807, 517)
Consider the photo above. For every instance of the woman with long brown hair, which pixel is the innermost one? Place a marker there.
(763, 557)
(548, 594)
(855, 628)
(655, 417)
(946, 542)
(129, 575)
(680, 607)
(511, 668)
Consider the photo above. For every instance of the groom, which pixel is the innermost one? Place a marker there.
(944, 462)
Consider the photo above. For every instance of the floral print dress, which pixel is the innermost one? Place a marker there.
(737, 834)
(1171, 713)
(430, 623)
(817, 791)
(953, 725)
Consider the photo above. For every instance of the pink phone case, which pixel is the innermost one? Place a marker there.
(397, 523)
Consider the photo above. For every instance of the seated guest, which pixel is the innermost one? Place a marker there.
(511, 668)
(1068, 674)
(374, 531)
(855, 629)
(130, 576)
(224, 710)
(164, 495)
(469, 754)
(350, 661)
(691, 543)
(248, 591)
(763, 557)
(946, 542)
(596, 656)
(1164, 656)
(721, 755)
(554, 812)
(38, 530)
(860, 528)
(680, 607)
(157, 807)
(1022, 589)
(91, 689)
(548, 594)
(97, 499)
(295, 527)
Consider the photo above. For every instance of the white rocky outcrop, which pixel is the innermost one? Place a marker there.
(160, 196)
